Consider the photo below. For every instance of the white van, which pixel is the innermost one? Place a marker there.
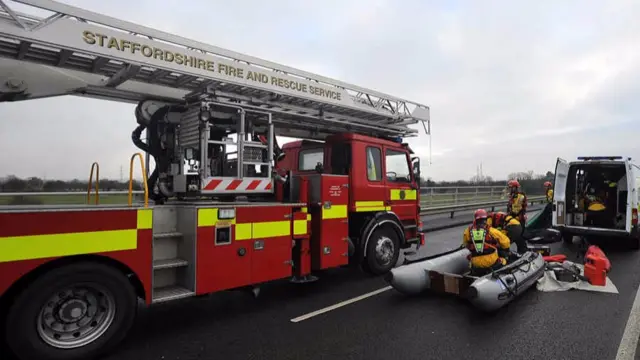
(597, 196)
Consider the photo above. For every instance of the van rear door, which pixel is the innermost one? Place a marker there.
(634, 196)
(631, 192)
(559, 192)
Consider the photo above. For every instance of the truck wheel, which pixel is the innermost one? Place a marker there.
(73, 312)
(383, 251)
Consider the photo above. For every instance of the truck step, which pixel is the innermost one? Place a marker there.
(169, 263)
(168, 235)
(169, 293)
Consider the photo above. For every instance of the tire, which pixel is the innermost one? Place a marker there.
(83, 285)
(383, 250)
(567, 238)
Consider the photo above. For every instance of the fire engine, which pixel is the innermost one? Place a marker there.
(225, 206)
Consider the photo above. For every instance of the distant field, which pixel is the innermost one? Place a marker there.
(78, 199)
(68, 199)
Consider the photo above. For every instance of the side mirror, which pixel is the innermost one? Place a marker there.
(415, 164)
(392, 176)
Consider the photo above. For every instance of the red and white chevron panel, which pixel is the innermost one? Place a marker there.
(233, 185)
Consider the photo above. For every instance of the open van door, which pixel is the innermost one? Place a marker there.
(632, 195)
(559, 193)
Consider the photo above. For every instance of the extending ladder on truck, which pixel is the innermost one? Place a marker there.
(78, 52)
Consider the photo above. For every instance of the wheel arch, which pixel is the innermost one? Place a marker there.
(24, 281)
(381, 219)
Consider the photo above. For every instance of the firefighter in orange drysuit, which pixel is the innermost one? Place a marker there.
(509, 226)
(517, 205)
(548, 191)
(488, 246)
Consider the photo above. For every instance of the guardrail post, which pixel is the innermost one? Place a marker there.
(451, 215)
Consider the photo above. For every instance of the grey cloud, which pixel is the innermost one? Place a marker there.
(509, 74)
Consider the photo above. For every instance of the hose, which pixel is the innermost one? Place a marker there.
(156, 150)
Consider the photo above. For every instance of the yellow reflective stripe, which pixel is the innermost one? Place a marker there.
(409, 194)
(369, 203)
(271, 229)
(363, 206)
(300, 227)
(145, 219)
(209, 217)
(334, 212)
(305, 210)
(373, 208)
(243, 231)
(44, 246)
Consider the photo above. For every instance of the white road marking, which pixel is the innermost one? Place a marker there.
(339, 305)
(629, 341)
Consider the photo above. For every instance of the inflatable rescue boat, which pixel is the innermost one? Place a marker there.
(449, 273)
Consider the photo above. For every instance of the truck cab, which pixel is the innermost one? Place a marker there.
(383, 182)
(597, 196)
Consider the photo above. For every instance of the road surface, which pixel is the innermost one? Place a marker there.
(363, 319)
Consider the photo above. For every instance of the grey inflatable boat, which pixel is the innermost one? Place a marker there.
(449, 273)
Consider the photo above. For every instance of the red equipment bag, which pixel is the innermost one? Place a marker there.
(594, 251)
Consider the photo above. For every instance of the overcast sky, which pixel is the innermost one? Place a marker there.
(511, 84)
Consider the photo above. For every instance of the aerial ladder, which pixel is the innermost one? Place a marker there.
(211, 115)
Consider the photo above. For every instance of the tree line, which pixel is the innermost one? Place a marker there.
(530, 182)
(35, 184)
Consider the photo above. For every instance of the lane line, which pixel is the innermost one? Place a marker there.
(339, 305)
(629, 341)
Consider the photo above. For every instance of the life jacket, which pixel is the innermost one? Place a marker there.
(514, 206)
(549, 195)
(482, 243)
(500, 220)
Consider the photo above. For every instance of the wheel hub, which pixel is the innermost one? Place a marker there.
(76, 316)
(384, 250)
(72, 310)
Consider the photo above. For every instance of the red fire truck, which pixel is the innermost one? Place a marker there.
(225, 207)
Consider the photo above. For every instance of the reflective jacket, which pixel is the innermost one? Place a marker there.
(483, 243)
(549, 195)
(517, 204)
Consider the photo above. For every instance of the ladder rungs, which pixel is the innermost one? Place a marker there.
(169, 263)
(169, 293)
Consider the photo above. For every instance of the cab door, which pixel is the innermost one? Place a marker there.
(559, 192)
(402, 191)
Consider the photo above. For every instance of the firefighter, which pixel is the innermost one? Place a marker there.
(488, 246)
(517, 205)
(548, 191)
(509, 226)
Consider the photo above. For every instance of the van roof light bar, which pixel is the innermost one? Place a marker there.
(588, 158)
